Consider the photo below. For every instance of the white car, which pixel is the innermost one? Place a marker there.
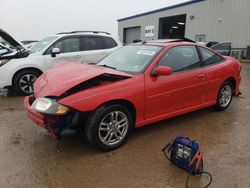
(20, 69)
(29, 45)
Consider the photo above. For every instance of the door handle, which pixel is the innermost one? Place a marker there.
(201, 75)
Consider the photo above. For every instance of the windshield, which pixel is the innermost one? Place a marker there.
(42, 44)
(131, 59)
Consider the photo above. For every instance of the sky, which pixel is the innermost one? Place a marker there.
(36, 19)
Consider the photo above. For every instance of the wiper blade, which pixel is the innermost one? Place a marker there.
(108, 66)
(22, 53)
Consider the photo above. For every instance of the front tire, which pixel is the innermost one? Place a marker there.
(108, 127)
(24, 80)
(225, 96)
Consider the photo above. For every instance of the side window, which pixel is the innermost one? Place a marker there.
(209, 57)
(180, 58)
(92, 43)
(66, 45)
(108, 42)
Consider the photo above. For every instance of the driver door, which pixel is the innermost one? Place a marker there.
(183, 89)
(70, 51)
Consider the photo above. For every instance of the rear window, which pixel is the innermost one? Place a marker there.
(108, 43)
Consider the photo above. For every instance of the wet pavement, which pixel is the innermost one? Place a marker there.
(29, 158)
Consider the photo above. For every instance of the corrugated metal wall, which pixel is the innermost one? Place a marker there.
(219, 20)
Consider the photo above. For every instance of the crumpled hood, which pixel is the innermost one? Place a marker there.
(65, 76)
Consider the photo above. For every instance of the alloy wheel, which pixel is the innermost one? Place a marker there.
(225, 96)
(113, 128)
(26, 83)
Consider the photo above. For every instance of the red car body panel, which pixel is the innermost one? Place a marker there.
(131, 90)
(178, 91)
(35, 117)
(153, 98)
(64, 76)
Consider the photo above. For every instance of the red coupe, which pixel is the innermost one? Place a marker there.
(134, 86)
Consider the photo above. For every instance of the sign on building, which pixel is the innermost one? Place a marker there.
(149, 31)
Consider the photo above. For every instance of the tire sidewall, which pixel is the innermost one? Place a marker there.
(93, 127)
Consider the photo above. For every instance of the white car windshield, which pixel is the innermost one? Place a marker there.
(42, 44)
(132, 59)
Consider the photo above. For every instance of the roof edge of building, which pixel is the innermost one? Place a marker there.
(161, 9)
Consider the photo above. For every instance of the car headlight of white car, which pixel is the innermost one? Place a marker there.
(3, 62)
(49, 106)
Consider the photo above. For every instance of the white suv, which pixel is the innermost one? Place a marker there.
(20, 69)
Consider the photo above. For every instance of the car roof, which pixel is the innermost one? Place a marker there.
(165, 42)
(73, 33)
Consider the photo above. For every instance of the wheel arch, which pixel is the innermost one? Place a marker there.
(24, 69)
(232, 80)
(128, 104)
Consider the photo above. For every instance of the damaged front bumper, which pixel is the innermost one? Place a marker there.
(56, 126)
(37, 118)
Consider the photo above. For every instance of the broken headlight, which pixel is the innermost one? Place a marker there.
(49, 106)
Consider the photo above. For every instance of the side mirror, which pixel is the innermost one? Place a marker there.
(55, 51)
(162, 71)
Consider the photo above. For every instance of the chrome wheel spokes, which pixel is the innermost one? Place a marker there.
(26, 83)
(113, 128)
(225, 96)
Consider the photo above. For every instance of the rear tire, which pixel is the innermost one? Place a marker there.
(24, 80)
(108, 127)
(225, 96)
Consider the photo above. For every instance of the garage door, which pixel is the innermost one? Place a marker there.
(131, 34)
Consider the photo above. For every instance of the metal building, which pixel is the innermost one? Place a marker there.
(199, 20)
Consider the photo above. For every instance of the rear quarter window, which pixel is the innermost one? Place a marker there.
(209, 57)
(108, 42)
